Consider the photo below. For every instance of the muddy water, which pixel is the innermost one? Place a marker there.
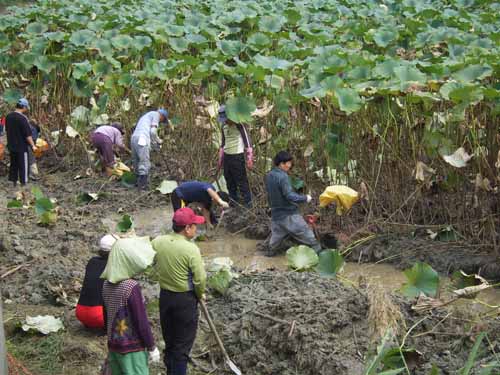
(243, 253)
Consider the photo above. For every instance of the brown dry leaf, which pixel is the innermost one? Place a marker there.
(482, 183)
(264, 135)
(59, 108)
(202, 122)
(423, 173)
(497, 164)
(315, 102)
(309, 150)
(263, 110)
(363, 191)
(212, 108)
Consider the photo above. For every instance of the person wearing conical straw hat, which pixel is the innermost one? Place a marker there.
(129, 332)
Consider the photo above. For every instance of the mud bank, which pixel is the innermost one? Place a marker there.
(403, 251)
(298, 323)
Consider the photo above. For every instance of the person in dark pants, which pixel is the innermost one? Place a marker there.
(235, 155)
(182, 280)
(104, 138)
(90, 310)
(199, 192)
(19, 140)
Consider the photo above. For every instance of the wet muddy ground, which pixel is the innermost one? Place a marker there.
(332, 316)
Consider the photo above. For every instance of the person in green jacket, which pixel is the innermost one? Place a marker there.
(182, 280)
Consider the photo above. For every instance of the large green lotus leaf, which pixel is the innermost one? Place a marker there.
(349, 100)
(80, 117)
(127, 80)
(272, 63)
(56, 36)
(259, 40)
(179, 44)
(449, 87)
(271, 24)
(44, 64)
(466, 94)
(104, 47)
(174, 30)
(230, 47)
(422, 278)
(36, 28)
(239, 109)
(125, 224)
(275, 81)
(316, 91)
(81, 69)
(11, 96)
(82, 88)
(102, 68)
(386, 68)
(43, 205)
(141, 42)
(362, 73)
(385, 36)
(301, 258)
(128, 179)
(473, 73)
(27, 59)
(81, 38)
(330, 263)
(282, 103)
(122, 41)
(220, 281)
(196, 38)
(409, 75)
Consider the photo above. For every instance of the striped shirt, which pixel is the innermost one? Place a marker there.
(127, 322)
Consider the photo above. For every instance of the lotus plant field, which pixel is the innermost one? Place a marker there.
(364, 89)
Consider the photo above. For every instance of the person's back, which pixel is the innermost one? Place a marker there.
(91, 293)
(143, 127)
(282, 200)
(195, 191)
(179, 264)
(17, 129)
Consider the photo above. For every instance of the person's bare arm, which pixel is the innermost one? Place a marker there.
(29, 139)
(206, 215)
(215, 197)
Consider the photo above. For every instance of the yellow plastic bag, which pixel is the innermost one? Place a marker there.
(343, 196)
(119, 168)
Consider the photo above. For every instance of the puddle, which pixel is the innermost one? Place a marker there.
(243, 252)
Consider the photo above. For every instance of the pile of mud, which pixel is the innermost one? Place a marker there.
(293, 323)
(299, 323)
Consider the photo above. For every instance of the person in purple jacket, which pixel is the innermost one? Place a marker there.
(104, 138)
(129, 332)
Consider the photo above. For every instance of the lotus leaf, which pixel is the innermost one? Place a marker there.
(239, 109)
(125, 224)
(43, 205)
(81, 69)
(36, 28)
(230, 47)
(473, 73)
(82, 38)
(11, 96)
(421, 279)
(15, 204)
(179, 44)
(301, 258)
(122, 41)
(167, 187)
(271, 24)
(385, 36)
(349, 100)
(272, 63)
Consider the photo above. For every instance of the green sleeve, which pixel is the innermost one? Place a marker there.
(199, 276)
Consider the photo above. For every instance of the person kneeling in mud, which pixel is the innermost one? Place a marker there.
(89, 309)
(199, 192)
(286, 220)
(104, 138)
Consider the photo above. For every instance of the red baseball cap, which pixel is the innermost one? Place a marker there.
(186, 216)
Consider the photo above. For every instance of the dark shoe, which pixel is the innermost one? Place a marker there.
(34, 178)
(142, 182)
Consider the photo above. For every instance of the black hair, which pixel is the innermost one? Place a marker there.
(20, 106)
(178, 228)
(282, 157)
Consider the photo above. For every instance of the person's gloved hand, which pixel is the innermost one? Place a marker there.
(154, 355)
(249, 158)
(224, 204)
(309, 198)
(221, 157)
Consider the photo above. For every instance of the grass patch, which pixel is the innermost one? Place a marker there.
(40, 354)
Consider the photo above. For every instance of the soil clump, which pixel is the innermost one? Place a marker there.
(288, 323)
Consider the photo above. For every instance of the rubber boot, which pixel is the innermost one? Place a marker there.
(142, 182)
